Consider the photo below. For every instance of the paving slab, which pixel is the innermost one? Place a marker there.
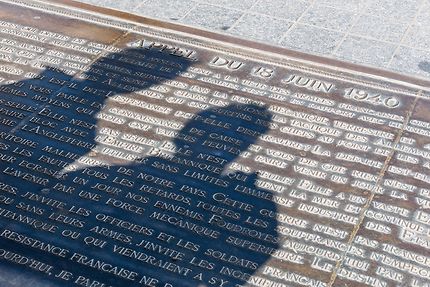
(312, 39)
(261, 28)
(412, 60)
(380, 29)
(173, 10)
(368, 51)
(329, 18)
(288, 10)
(400, 10)
(212, 17)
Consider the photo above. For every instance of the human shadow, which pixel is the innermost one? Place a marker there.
(202, 224)
(49, 120)
(176, 216)
(84, 94)
(18, 99)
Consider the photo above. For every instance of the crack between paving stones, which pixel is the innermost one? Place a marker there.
(357, 227)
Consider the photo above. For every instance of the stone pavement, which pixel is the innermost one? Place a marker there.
(388, 34)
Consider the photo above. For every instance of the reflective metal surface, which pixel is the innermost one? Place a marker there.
(137, 153)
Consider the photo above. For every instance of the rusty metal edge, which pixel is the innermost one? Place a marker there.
(300, 56)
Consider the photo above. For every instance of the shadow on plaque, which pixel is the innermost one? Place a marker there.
(175, 216)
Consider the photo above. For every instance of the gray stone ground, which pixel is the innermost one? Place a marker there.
(388, 34)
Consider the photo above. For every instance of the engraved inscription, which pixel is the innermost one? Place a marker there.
(138, 157)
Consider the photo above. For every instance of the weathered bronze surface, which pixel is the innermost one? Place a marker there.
(139, 153)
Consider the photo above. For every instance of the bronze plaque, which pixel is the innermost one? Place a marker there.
(139, 153)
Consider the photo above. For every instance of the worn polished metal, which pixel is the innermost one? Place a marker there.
(139, 153)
